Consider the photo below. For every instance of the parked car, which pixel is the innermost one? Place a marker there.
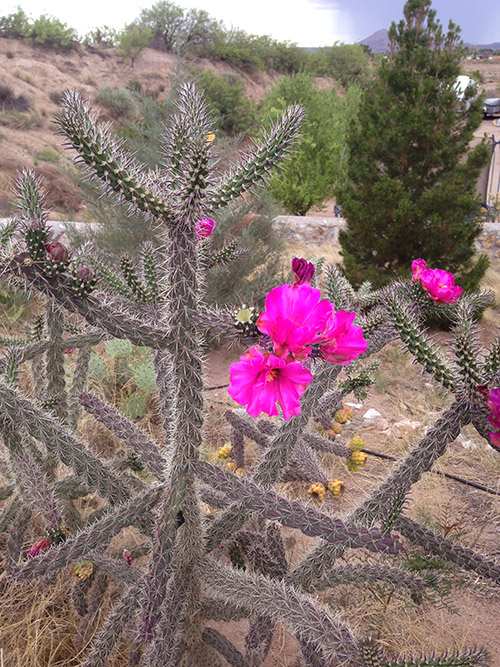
(491, 106)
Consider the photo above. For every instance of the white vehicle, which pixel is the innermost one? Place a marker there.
(491, 106)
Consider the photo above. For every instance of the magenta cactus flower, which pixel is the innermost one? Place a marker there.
(204, 228)
(57, 252)
(342, 341)
(41, 545)
(440, 285)
(494, 418)
(303, 271)
(260, 380)
(417, 266)
(293, 318)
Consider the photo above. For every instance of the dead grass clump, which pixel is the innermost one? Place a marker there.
(61, 192)
(9, 101)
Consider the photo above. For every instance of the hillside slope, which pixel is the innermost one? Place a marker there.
(40, 76)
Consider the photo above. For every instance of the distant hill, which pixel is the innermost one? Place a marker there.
(379, 43)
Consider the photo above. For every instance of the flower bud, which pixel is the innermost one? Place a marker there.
(57, 252)
(204, 228)
(84, 274)
(303, 271)
(127, 556)
(41, 545)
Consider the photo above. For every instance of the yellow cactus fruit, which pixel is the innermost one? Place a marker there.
(210, 138)
(231, 465)
(356, 444)
(224, 452)
(336, 428)
(317, 491)
(240, 471)
(348, 411)
(336, 487)
(319, 428)
(341, 417)
(356, 460)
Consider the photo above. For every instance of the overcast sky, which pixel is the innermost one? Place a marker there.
(306, 22)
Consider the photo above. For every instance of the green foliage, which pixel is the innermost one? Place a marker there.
(132, 40)
(411, 185)
(9, 54)
(103, 37)
(45, 30)
(13, 303)
(48, 155)
(233, 110)
(176, 29)
(51, 32)
(310, 176)
(347, 63)
(118, 102)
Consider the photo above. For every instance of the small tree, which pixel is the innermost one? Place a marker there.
(412, 178)
(132, 40)
(311, 176)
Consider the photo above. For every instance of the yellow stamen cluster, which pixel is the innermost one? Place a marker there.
(336, 487)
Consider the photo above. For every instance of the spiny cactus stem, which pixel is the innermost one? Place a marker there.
(34, 350)
(420, 460)
(70, 450)
(116, 323)
(54, 365)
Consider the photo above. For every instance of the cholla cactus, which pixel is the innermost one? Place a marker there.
(187, 508)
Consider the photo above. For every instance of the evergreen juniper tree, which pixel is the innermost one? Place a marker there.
(411, 183)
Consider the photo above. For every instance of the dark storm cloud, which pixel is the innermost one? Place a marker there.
(478, 19)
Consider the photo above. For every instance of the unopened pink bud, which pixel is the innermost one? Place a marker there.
(41, 545)
(204, 228)
(85, 274)
(303, 271)
(127, 556)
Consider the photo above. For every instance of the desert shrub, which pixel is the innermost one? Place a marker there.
(16, 25)
(132, 40)
(102, 37)
(117, 102)
(311, 175)
(51, 32)
(347, 63)
(56, 96)
(175, 29)
(9, 54)
(233, 110)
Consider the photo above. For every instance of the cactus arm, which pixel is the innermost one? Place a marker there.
(79, 381)
(405, 322)
(291, 513)
(440, 546)
(465, 345)
(35, 350)
(405, 474)
(127, 431)
(54, 361)
(275, 458)
(69, 449)
(327, 445)
(95, 536)
(307, 617)
(256, 165)
(117, 323)
(106, 158)
(106, 639)
(338, 289)
(227, 649)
